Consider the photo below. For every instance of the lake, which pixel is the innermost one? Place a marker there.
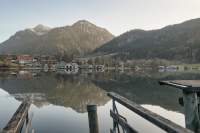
(60, 99)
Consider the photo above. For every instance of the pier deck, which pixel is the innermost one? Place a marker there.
(185, 85)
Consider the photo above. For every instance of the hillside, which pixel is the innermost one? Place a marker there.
(75, 40)
(175, 42)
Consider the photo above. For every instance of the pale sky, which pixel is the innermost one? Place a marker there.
(118, 16)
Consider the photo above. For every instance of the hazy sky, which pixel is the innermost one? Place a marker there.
(117, 16)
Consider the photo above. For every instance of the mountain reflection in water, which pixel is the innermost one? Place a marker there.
(59, 100)
(63, 90)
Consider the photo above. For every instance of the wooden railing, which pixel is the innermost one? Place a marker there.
(16, 122)
(154, 118)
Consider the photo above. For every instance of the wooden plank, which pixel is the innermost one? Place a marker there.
(122, 122)
(189, 83)
(185, 85)
(158, 120)
(17, 121)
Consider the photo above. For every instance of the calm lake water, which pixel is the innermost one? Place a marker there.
(60, 99)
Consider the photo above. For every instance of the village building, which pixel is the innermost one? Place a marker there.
(24, 59)
(48, 60)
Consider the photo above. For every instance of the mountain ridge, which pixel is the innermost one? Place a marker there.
(77, 39)
(174, 42)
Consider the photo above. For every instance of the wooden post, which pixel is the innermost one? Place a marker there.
(191, 106)
(93, 118)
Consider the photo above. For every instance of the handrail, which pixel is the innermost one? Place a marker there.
(16, 122)
(154, 118)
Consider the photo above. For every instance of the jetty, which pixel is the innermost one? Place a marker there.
(190, 101)
(16, 123)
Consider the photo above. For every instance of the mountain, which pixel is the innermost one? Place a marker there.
(78, 39)
(175, 42)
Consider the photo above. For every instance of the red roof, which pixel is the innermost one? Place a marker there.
(24, 58)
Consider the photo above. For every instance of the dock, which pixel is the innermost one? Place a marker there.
(190, 100)
(16, 123)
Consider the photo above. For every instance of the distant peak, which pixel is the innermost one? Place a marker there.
(40, 29)
(82, 22)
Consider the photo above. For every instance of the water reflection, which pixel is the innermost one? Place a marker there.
(64, 90)
(60, 99)
(143, 89)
